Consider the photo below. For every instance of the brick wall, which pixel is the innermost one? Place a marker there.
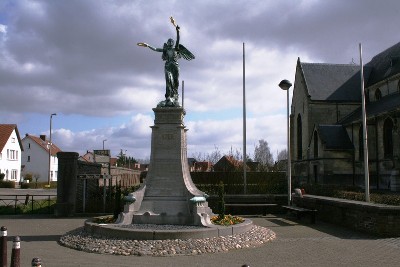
(378, 219)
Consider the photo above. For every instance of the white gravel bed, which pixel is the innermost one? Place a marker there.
(81, 240)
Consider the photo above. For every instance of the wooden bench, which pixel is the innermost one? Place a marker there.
(300, 211)
(264, 205)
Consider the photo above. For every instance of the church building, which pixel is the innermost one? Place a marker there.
(326, 122)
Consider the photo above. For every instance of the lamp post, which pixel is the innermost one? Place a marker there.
(103, 143)
(50, 144)
(285, 85)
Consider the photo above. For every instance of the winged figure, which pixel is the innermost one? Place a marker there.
(171, 52)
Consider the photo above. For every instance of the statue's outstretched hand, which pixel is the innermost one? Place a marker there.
(143, 44)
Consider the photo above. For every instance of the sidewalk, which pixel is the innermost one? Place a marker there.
(297, 244)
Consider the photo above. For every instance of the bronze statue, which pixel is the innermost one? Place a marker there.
(171, 54)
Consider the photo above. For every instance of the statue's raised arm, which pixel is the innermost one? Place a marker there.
(171, 52)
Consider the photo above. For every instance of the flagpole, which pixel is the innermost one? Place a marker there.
(364, 125)
(244, 125)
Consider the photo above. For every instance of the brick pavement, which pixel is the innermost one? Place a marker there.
(297, 244)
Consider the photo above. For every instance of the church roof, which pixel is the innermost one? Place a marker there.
(386, 104)
(334, 137)
(332, 82)
(384, 65)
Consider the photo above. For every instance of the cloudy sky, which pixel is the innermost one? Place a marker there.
(79, 59)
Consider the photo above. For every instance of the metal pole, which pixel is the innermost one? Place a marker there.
(289, 171)
(244, 124)
(364, 124)
(49, 178)
(103, 143)
(3, 247)
(285, 85)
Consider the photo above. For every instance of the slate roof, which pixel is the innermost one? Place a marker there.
(384, 65)
(386, 104)
(43, 144)
(334, 137)
(5, 132)
(332, 82)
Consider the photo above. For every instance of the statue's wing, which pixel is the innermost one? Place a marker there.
(186, 54)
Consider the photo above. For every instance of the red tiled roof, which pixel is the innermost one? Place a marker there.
(5, 132)
(54, 149)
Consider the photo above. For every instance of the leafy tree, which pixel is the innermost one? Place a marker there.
(124, 161)
(262, 154)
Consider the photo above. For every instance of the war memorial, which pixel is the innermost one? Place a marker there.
(168, 214)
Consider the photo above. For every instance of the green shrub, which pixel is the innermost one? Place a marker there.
(2, 175)
(7, 184)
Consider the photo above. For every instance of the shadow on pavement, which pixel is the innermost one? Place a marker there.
(33, 238)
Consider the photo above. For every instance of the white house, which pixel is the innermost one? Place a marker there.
(10, 152)
(35, 158)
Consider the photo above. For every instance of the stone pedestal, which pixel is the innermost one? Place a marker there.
(169, 195)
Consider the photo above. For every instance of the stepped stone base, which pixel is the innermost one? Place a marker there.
(169, 195)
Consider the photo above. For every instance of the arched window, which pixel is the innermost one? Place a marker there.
(299, 138)
(360, 144)
(378, 94)
(388, 138)
(315, 144)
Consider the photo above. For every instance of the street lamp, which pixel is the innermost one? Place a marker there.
(285, 85)
(103, 143)
(50, 144)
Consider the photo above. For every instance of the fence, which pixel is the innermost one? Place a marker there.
(34, 204)
(256, 182)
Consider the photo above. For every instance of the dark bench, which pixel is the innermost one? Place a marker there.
(264, 205)
(300, 211)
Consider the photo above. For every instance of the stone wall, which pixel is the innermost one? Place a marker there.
(377, 219)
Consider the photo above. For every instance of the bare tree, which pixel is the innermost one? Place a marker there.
(214, 156)
(282, 155)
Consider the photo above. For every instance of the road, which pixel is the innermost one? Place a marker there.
(12, 191)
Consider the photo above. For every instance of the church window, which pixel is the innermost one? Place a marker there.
(315, 144)
(388, 138)
(299, 138)
(378, 94)
(360, 144)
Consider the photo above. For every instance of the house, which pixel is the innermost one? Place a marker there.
(36, 158)
(88, 157)
(228, 164)
(10, 152)
(203, 166)
(326, 122)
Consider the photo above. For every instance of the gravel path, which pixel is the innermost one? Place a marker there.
(81, 240)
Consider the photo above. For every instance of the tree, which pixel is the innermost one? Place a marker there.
(262, 154)
(214, 156)
(282, 155)
(281, 161)
(124, 161)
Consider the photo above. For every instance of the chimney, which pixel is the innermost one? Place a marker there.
(43, 137)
